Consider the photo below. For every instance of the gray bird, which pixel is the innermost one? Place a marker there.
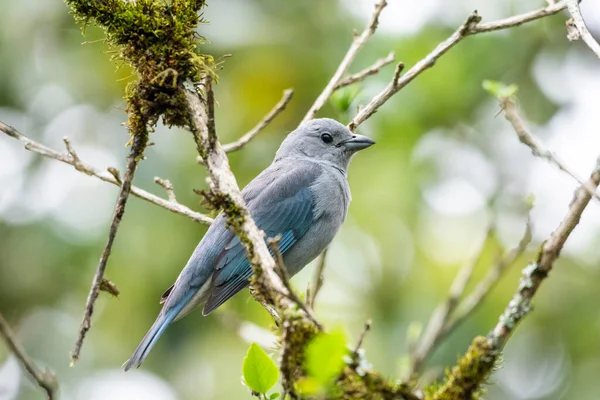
(302, 196)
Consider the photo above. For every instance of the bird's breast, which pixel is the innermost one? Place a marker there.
(331, 197)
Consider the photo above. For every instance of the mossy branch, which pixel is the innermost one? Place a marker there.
(158, 40)
(464, 380)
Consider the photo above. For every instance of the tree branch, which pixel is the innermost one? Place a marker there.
(138, 145)
(45, 379)
(471, 27)
(538, 149)
(491, 278)
(535, 273)
(356, 45)
(226, 194)
(266, 286)
(112, 176)
(439, 319)
(317, 280)
(475, 366)
(168, 186)
(285, 277)
(451, 313)
(582, 31)
(372, 70)
(361, 338)
(267, 119)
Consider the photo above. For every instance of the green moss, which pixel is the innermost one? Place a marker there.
(370, 386)
(157, 39)
(464, 381)
(296, 332)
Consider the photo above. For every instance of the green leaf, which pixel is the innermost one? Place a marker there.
(309, 386)
(499, 89)
(342, 98)
(325, 356)
(260, 372)
(274, 396)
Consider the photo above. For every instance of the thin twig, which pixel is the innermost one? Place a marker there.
(251, 134)
(491, 278)
(110, 176)
(45, 379)
(471, 27)
(361, 338)
(135, 154)
(356, 45)
(317, 280)
(535, 144)
(168, 186)
(519, 19)
(583, 32)
(439, 319)
(535, 273)
(285, 277)
(372, 70)
(474, 368)
(267, 119)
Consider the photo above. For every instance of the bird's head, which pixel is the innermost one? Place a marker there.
(323, 139)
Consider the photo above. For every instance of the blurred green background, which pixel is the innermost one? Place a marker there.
(445, 165)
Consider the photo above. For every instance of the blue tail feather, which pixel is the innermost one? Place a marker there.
(163, 320)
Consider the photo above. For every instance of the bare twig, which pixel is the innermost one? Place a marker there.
(267, 119)
(356, 45)
(440, 317)
(519, 19)
(471, 26)
(372, 70)
(537, 147)
(451, 313)
(110, 176)
(137, 149)
(361, 338)
(168, 186)
(337, 82)
(45, 379)
(491, 278)
(317, 280)
(285, 277)
(275, 111)
(535, 273)
(583, 33)
(475, 366)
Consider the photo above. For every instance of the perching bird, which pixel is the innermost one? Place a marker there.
(302, 196)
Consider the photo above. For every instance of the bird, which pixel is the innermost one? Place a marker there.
(302, 197)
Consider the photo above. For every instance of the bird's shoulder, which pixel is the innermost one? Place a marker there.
(282, 179)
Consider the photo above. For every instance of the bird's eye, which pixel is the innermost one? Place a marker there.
(327, 138)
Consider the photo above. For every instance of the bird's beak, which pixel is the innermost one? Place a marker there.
(357, 142)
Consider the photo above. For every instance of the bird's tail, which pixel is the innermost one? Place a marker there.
(163, 320)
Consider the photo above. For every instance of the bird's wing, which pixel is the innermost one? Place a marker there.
(283, 207)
